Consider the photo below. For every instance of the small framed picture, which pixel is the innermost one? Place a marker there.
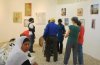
(63, 12)
(80, 12)
(82, 22)
(93, 24)
(95, 9)
(66, 21)
(26, 22)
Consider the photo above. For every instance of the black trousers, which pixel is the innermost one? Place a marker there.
(60, 46)
(51, 42)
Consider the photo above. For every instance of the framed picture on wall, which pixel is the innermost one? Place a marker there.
(17, 17)
(93, 24)
(83, 22)
(63, 12)
(66, 21)
(28, 9)
(80, 12)
(95, 9)
(26, 22)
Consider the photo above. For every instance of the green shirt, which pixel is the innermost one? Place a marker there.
(73, 35)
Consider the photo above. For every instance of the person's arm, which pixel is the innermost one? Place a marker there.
(67, 33)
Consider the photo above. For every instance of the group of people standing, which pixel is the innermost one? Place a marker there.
(54, 35)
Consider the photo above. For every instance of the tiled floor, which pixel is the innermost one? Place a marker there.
(40, 59)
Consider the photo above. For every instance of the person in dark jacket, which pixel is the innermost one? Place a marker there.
(60, 35)
(50, 35)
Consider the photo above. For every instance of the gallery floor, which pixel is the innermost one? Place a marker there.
(40, 59)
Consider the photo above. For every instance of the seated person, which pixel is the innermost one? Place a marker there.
(18, 55)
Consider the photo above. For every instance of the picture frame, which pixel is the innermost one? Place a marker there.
(26, 22)
(80, 12)
(95, 9)
(66, 21)
(63, 12)
(82, 22)
(28, 9)
(93, 24)
(17, 17)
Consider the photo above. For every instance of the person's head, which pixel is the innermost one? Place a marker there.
(22, 43)
(31, 20)
(74, 20)
(48, 21)
(79, 23)
(25, 45)
(59, 21)
(52, 20)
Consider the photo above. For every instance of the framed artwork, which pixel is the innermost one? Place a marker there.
(93, 24)
(17, 17)
(28, 9)
(95, 9)
(66, 21)
(63, 12)
(83, 22)
(80, 12)
(26, 22)
(41, 18)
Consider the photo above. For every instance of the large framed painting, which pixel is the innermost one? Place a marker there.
(17, 17)
(28, 9)
(94, 9)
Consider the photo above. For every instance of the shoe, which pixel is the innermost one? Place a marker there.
(48, 60)
(29, 55)
(32, 51)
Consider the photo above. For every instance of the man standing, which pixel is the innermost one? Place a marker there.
(50, 35)
(31, 28)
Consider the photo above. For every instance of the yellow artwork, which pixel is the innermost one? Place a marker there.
(17, 17)
(28, 9)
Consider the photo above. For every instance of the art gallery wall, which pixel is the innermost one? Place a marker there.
(91, 38)
(12, 29)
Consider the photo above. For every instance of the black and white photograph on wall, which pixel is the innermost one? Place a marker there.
(80, 12)
(66, 21)
(83, 22)
(93, 24)
(95, 9)
(63, 12)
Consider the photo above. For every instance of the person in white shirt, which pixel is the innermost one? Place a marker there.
(31, 28)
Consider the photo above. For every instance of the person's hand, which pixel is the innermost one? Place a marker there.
(35, 63)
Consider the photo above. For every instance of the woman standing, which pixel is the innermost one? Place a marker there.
(61, 32)
(18, 55)
(72, 41)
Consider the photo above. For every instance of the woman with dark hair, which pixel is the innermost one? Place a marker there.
(80, 43)
(18, 55)
(72, 35)
(61, 32)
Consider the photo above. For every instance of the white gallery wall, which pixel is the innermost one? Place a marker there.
(9, 29)
(91, 38)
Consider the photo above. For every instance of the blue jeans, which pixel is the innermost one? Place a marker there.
(31, 43)
(80, 54)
